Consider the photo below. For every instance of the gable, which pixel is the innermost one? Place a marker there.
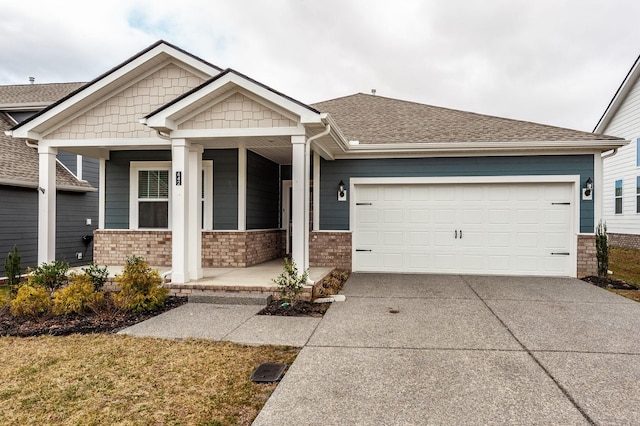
(118, 116)
(237, 111)
(625, 121)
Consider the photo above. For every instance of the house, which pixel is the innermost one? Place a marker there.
(621, 172)
(76, 183)
(205, 167)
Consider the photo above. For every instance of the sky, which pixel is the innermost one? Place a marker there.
(548, 61)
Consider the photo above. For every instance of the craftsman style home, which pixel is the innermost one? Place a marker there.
(204, 167)
(621, 179)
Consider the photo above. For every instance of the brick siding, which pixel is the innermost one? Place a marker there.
(235, 249)
(112, 247)
(630, 241)
(330, 249)
(587, 260)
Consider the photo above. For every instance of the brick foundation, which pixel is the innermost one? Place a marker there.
(587, 260)
(112, 247)
(630, 241)
(332, 249)
(235, 249)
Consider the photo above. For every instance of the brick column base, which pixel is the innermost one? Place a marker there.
(587, 260)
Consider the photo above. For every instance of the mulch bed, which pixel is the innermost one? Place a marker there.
(110, 321)
(609, 283)
(299, 309)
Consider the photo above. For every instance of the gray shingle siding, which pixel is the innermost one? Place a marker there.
(334, 215)
(262, 192)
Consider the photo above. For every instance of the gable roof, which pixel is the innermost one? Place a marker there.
(138, 64)
(622, 92)
(18, 162)
(372, 119)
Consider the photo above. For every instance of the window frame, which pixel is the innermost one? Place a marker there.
(134, 201)
(207, 186)
(617, 197)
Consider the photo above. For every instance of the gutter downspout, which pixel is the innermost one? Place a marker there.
(611, 154)
(307, 160)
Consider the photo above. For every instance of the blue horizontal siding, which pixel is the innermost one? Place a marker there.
(334, 215)
(225, 187)
(263, 192)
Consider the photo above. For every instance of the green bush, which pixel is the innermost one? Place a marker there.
(289, 282)
(602, 249)
(51, 276)
(140, 287)
(12, 268)
(31, 301)
(77, 296)
(98, 275)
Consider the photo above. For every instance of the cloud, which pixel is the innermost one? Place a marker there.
(546, 61)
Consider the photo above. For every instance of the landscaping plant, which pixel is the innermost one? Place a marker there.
(140, 287)
(289, 282)
(97, 274)
(12, 268)
(602, 249)
(31, 301)
(51, 276)
(77, 297)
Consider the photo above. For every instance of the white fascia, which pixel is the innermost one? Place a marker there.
(110, 143)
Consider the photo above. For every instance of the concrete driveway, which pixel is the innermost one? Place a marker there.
(434, 349)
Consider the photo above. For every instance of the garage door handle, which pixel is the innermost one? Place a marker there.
(456, 234)
(560, 254)
(362, 250)
(461, 234)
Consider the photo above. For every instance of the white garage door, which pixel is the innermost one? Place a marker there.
(503, 229)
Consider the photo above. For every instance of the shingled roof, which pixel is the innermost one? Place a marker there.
(373, 119)
(29, 94)
(18, 162)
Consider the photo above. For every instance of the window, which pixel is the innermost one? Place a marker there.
(618, 197)
(149, 195)
(153, 198)
(638, 194)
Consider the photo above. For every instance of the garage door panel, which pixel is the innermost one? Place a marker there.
(506, 228)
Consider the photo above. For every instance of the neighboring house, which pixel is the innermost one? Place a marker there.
(77, 183)
(621, 183)
(204, 167)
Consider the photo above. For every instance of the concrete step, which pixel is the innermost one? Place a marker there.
(229, 298)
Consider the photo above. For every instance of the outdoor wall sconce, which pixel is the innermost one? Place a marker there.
(342, 193)
(587, 191)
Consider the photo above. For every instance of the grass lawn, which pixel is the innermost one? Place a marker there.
(625, 265)
(111, 379)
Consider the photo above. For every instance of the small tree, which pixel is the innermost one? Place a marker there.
(602, 250)
(51, 276)
(289, 282)
(12, 267)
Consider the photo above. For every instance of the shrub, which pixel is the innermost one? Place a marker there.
(77, 296)
(332, 284)
(97, 274)
(31, 301)
(140, 287)
(289, 282)
(12, 267)
(51, 276)
(602, 249)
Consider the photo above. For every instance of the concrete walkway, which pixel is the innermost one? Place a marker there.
(433, 349)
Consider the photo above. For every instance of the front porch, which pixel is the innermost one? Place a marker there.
(251, 279)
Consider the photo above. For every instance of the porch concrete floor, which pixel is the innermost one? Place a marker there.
(252, 278)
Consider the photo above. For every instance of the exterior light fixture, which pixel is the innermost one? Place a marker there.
(587, 191)
(342, 193)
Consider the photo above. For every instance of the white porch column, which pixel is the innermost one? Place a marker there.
(102, 185)
(242, 189)
(46, 203)
(195, 212)
(180, 211)
(298, 173)
(316, 191)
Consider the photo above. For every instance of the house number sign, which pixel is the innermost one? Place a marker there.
(178, 178)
